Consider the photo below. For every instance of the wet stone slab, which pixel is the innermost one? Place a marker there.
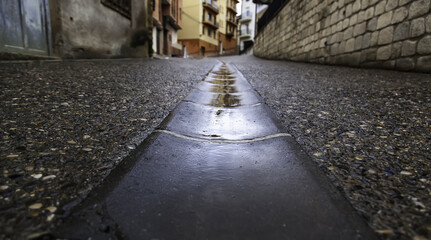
(245, 98)
(182, 189)
(212, 172)
(223, 106)
(201, 121)
(222, 86)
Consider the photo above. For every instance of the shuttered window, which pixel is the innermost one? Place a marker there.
(123, 7)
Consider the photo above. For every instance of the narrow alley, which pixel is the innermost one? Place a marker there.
(228, 148)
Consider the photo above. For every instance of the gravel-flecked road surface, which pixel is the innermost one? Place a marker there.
(65, 125)
(368, 130)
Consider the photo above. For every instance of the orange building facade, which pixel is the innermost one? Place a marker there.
(209, 27)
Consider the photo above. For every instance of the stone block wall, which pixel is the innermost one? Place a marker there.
(392, 34)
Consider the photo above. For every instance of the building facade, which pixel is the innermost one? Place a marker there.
(228, 26)
(167, 20)
(209, 27)
(75, 28)
(247, 24)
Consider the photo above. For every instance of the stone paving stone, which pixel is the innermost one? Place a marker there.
(182, 189)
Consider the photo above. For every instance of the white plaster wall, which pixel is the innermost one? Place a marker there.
(175, 39)
(154, 39)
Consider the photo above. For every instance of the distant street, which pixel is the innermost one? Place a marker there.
(65, 125)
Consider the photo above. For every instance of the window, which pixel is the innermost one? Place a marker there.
(173, 8)
(123, 7)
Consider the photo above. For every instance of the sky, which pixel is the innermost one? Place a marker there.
(238, 8)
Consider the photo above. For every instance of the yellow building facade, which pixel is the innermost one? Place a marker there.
(209, 27)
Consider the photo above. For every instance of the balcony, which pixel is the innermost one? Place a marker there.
(230, 33)
(210, 5)
(231, 21)
(170, 17)
(211, 23)
(245, 34)
(246, 17)
(232, 8)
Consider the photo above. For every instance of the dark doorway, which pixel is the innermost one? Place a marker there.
(25, 26)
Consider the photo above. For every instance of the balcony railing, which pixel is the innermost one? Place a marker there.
(230, 33)
(231, 20)
(245, 17)
(231, 7)
(212, 22)
(246, 32)
(210, 3)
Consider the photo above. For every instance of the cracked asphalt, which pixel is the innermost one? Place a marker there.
(65, 125)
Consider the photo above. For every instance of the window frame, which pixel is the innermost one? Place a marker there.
(123, 7)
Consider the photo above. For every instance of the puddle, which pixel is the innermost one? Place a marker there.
(225, 100)
(225, 80)
(221, 72)
(222, 82)
(224, 89)
(222, 77)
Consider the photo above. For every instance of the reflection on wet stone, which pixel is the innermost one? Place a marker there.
(222, 82)
(224, 89)
(225, 100)
(222, 77)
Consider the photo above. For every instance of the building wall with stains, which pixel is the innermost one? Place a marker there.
(91, 29)
(392, 34)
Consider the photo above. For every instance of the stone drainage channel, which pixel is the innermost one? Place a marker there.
(219, 167)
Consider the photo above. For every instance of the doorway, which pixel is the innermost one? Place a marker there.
(25, 26)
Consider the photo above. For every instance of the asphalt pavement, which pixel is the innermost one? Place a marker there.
(367, 129)
(66, 125)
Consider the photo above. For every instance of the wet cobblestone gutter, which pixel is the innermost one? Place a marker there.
(368, 130)
(218, 167)
(65, 125)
